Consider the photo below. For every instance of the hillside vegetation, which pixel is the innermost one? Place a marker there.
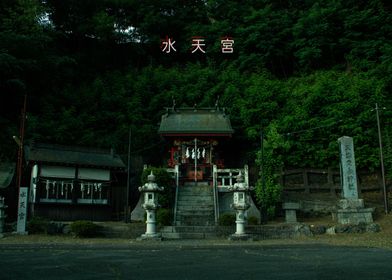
(309, 71)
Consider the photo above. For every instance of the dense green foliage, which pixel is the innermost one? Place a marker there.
(164, 217)
(227, 219)
(313, 69)
(85, 229)
(268, 190)
(252, 221)
(37, 225)
(162, 179)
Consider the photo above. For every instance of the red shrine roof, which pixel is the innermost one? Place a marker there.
(195, 122)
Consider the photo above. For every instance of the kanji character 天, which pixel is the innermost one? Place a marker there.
(197, 44)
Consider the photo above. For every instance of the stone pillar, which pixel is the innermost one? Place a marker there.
(348, 174)
(22, 211)
(2, 215)
(240, 222)
(151, 223)
(291, 211)
(350, 209)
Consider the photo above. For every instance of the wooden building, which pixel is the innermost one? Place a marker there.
(197, 162)
(8, 190)
(72, 183)
(194, 136)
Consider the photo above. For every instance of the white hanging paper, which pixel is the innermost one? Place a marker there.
(187, 153)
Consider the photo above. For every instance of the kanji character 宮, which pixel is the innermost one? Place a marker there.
(227, 45)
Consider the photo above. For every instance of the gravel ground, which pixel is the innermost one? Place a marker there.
(381, 239)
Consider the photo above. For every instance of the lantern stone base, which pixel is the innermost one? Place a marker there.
(20, 232)
(352, 211)
(240, 237)
(150, 237)
(351, 204)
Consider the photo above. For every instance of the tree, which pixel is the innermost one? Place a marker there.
(268, 190)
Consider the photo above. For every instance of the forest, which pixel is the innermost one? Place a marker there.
(303, 72)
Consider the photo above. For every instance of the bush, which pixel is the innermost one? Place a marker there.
(227, 220)
(164, 217)
(37, 225)
(55, 228)
(252, 220)
(85, 229)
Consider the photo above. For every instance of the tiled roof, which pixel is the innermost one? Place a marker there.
(59, 154)
(195, 121)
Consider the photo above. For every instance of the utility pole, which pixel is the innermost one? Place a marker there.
(127, 216)
(382, 160)
(21, 215)
(262, 160)
(195, 154)
(20, 143)
(263, 209)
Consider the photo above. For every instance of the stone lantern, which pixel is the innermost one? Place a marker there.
(150, 192)
(2, 215)
(240, 203)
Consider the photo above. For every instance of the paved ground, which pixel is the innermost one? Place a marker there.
(192, 260)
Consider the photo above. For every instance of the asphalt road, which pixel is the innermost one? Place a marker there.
(186, 261)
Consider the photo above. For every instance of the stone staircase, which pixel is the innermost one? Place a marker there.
(190, 232)
(195, 215)
(195, 205)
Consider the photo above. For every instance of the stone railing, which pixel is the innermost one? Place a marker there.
(175, 172)
(222, 180)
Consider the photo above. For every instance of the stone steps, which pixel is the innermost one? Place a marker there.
(198, 184)
(195, 220)
(195, 205)
(196, 216)
(194, 208)
(199, 212)
(197, 198)
(189, 232)
(189, 229)
(189, 235)
(188, 196)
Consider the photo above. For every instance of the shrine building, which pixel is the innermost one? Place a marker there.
(197, 163)
(73, 183)
(194, 135)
